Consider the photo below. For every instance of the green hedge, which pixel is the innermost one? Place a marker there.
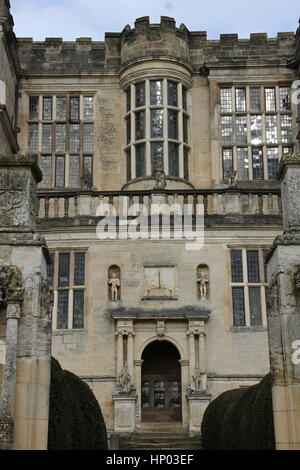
(240, 419)
(75, 418)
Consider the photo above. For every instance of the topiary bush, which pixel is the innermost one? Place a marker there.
(240, 419)
(75, 418)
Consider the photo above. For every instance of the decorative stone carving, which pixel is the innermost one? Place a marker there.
(114, 283)
(11, 285)
(231, 176)
(203, 281)
(160, 179)
(297, 278)
(159, 281)
(160, 327)
(196, 385)
(124, 379)
(86, 180)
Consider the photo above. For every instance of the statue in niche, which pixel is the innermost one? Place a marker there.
(124, 379)
(115, 284)
(203, 282)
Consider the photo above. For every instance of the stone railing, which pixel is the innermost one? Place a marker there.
(216, 202)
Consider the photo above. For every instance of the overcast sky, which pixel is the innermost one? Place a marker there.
(70, 19)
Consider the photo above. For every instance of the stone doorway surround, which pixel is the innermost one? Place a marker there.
(134, 331)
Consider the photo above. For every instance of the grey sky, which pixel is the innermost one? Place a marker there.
(92, 18)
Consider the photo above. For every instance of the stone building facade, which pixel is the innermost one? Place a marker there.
(157, 114)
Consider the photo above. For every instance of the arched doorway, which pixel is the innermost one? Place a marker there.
(161, 383)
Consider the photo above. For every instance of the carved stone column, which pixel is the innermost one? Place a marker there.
(120, 359)
(130, 353)
(191, 354)
(202, 357)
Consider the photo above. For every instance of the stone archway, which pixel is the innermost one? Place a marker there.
(161, 399)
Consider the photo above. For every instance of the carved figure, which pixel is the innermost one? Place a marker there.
(124, 379)
(115, 283)
(231, 176)
(197, 383)
(203, 281)
(160, 179)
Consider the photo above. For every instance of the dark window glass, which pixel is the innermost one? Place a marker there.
(46, 170)
(173, 124)
(236, 266)
(240, 99)
(61, 108)
(64, 269)
(257, 163)
(185, 129)
(79, 269)
(272, 154)
(255, 105)
(140, 159)
(172, 93)
(74, 163)
(88, 138)
(140, 125)
(50, 270)
(88, 166)
(265, 266)
(253, 266)
(74, 108)
(46, 137)
(159, 394)
(174, 394)
(227, 162)
(128, 99)
(186, 164)
(60, 171)
(140, 94)
(33, 138)
(62, 309)
(157, 122)
(78, 309)
(285, 98)
(184, 98)
(238, 306)
(128, 129)
(145, 394)
(47, 108)
(255, 306)
(60, 138)
(156, 92)
(128, 165)
(173, 159)
(33, 108)
(157, 156)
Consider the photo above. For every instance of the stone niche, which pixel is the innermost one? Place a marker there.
(114, 283)
(203, 282)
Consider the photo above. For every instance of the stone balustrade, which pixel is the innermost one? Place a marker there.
(217, 202)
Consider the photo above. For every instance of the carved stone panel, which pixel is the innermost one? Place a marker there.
(159, 282)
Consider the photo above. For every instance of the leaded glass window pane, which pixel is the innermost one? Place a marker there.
(226, 100)
(173, 124)
(128, 165)
(50, 271)
(74, 137)
(186, 164)
(185, 129)
(265, 252)
(287, 150)
(256, 129)
(272, 154)
(62, 309)
(88, 108)
(156, 92)
(286, 128)
(157, 122)
(159, 394)
(285, 98)
(172, 93)
(33, 108)
(173, 159)
(253, 266)
(64, 269)
(140, 125)
(61, 108)
(140, 160)
(257, 163)
(78, 308)
(47, 138)
(145, 394)
(238, 306)
(226, 130)
(60, 138)
(242, 163)
(174, 394)
(128, 99)
(46, 170)
(74, 108)
(47, 108)
(227, 161)
(255, 100)
(74, 166)
(157, 156)
(140, 94)
(79, 269)
(271, 129)
(88, 137)
(255, 306)
(88, 165)
(241, 130)
(128, 129)
(270, 99)
(184, 98)
(60, 171)
(236, 266)
(240, 99)
(33, 138)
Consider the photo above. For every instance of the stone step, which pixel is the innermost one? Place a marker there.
(159, 441)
